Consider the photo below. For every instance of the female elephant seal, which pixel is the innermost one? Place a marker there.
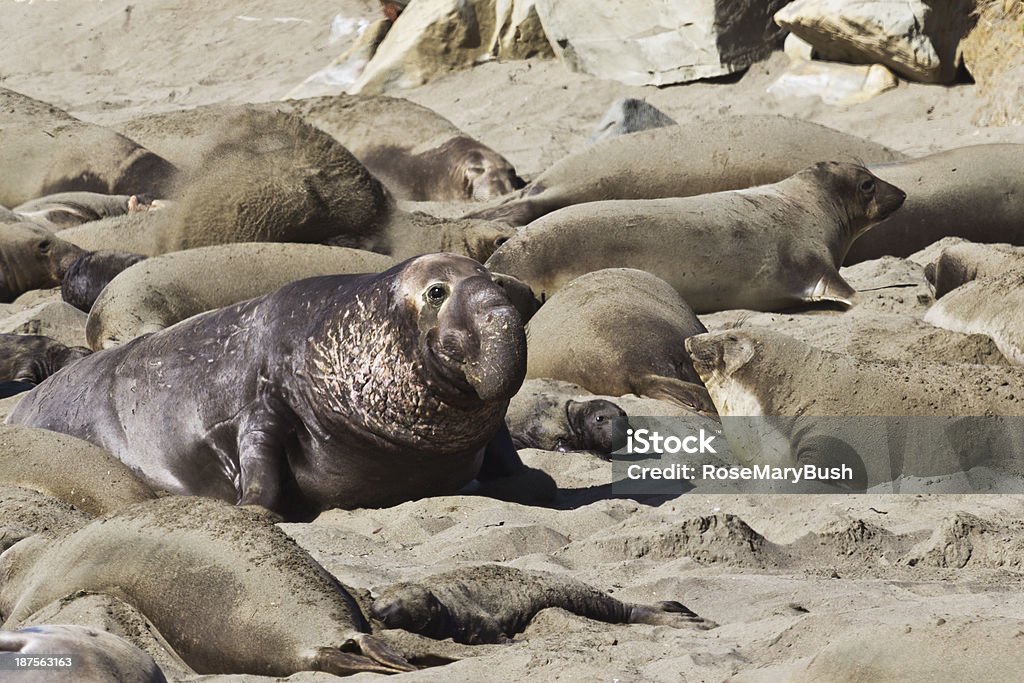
(958, 264)
(492, 603)
(32, 258)
(98, 656)
(727, 153)
(227, 589)
(336, 391)
(764, 248)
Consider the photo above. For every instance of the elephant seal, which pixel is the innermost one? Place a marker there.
(311, 397)
(974, 192)
(227, 589)
(33, 358)
(90, 273)
(98, 655)
(44, 150)
(629, 115)
(32, 258)
(618, 331)
(727, 153)
(958, 264)
(68, 209)
(993, 306)
(554, 422)
(764, 248)
(73, 470)
(491, 603)
(417, 153)
(9, 389)
(166, 289)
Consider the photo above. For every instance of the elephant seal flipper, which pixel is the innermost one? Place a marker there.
(832, 288)
(689, 395)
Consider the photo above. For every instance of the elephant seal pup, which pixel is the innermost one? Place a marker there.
(629, 115)
(32, 258)
(227, 589)
(98, 655)
(166, 289)
(961, 263)
(417, 153)
(974, 192)
(44, 150)
(311, 397)
(75, 471)
(728, 153)
(33, 358)
(764, 248)
(491, 603)
(618, 331)
(91, 272)
(993, 306)
(541, 417)
(68, 209)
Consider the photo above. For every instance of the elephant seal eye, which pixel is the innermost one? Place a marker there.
(868, 186)
(436, 294)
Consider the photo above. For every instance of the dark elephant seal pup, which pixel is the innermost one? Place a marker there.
(31, 257)
(98, 655)
(539, 416)
(764, 248)
(90, 273)
(336, 391)
(492, 603)
(227, 589)
(33, 358)
(618, 331)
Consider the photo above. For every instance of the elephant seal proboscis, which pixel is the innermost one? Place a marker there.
(727, 153)
(226, 588)
(336, 391)
(31, 257)
(491, 603)
(764, 248)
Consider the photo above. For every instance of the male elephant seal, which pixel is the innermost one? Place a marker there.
(726, 153)
(544, 418)
(964, 262)
(618, 331)
(90, 273)
(974, 192)
(318, 395)
(763, 248)
(33, 358)
(32, 258)
(492, 603)
(98, 656)
(227, 589)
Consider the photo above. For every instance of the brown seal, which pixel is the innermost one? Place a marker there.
(31, 257)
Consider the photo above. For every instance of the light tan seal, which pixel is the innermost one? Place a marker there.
(958, 264)
(993, 306)
(765, 248)
(98, 656)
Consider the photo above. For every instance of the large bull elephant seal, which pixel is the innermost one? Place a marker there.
(726, 153)
(31, 257)
(336, 391)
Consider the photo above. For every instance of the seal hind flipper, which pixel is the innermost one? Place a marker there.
(686, 394)
(668, 613)
(333, 661)
(831, 287)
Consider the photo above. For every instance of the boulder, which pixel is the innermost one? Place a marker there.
(520, 34)
(994, 54)
(836, 84)
(642, 43)
(918, 40)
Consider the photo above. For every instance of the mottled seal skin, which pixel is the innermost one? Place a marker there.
(167, 289)
(90, 273)
(974, 192)
(99, 656)
(618, 331)
(993, 306)
(31, 257)
(44, 150)
(550, 420)
(417, 153)
(727, 153)
(961, 263)
(491, 603)
(629, 115)
(765, 248)
(311, 397)
(33, 358)
(209, 576)
(68, 209)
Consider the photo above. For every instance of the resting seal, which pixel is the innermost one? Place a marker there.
(32, 258)
(33, 358)
(492, 603)
(993, 306)
(540, 416)
(226, 588)
(68, 209)
(99, 656)
(961, 263)
(764, 248)
(311, 397)
(90, 273)
(629, 115)
(727, 153)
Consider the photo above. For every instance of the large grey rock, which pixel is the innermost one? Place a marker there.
(645, 43)
(917, 39)
(519, 34)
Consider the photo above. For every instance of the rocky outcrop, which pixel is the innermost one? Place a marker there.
(994, 54)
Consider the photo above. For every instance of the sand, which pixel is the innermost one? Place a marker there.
(838, 587)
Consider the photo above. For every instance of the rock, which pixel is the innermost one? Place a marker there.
(346, 68)
(640, 43)
(918, 40)
(520, 34)
(629, 115)
(836, 84)
(994, 54)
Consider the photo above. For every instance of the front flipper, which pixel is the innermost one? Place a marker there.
(686, 394)
(832, 288)
(668, 613)
(261, 456)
